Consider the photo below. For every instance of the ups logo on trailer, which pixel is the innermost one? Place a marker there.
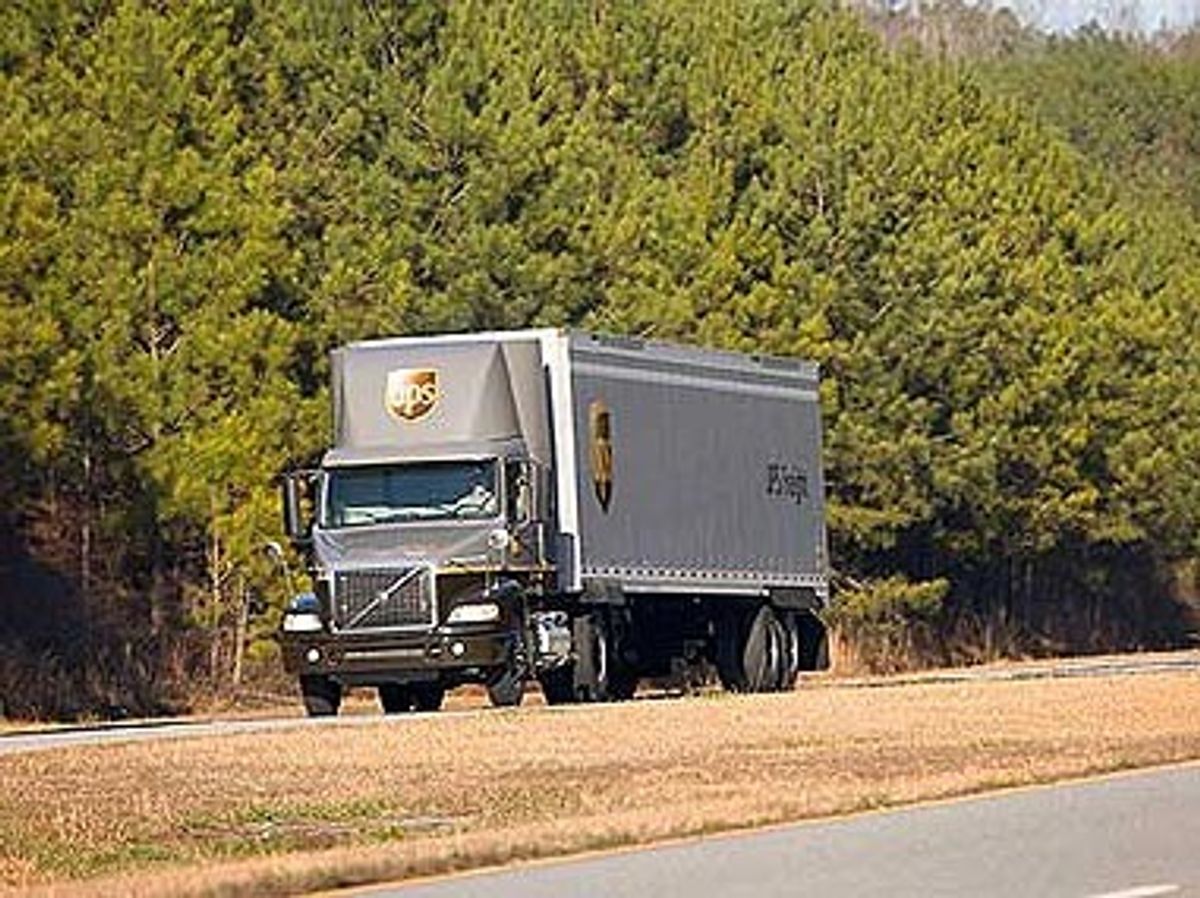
(601, 452)
(412, 393)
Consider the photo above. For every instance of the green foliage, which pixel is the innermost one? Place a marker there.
(1128, 103)
(889, 624)
(890, 604)
(197, 201)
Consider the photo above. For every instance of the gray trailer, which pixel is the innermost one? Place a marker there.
(584, 511)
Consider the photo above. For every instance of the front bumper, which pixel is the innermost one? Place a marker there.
(363, 659)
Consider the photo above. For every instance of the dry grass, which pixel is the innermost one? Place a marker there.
(320, 807)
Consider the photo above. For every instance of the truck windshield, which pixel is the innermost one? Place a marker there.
(388, 494)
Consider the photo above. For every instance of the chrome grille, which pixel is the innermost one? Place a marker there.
(383, 599)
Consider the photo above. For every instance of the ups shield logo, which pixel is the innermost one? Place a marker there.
(601, 452)
(412, 393)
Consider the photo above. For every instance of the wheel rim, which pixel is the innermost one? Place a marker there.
(791, 637)
(774, 671)
(601, 658)
(762, 651)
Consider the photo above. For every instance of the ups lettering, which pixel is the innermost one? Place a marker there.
(415, 396)
(412, 393)
(786, 481)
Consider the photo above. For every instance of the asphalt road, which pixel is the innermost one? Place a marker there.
(1132, 836)
(40, 739)
(17, 741)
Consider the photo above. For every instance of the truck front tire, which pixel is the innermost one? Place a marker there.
(428, 696)
(395, 698)
(322, 696)
(506, 689)
(400, 698)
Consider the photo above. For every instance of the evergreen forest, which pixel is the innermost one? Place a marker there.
(988, 237)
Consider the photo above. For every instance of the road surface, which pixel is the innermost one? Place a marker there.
(1130, 836)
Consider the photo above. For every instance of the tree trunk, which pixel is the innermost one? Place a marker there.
(214, 609)
(239, 636)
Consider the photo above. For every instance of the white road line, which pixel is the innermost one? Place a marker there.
(1140, 892)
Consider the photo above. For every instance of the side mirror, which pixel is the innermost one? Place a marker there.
(298, 489)
(278, 558)
(520, 493)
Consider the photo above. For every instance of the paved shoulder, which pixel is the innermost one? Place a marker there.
(1132, 836)
(18, 741)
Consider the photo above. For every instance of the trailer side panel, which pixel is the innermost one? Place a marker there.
(697, 471)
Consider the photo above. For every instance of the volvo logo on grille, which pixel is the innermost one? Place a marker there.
(412, 393)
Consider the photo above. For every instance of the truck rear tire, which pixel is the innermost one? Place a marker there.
(752, 650)
(601, 674)
(322, 696)
(792, 651)
(622, 684)
(814, 642)
(558, 685)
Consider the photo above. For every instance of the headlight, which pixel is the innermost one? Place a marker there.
(302, 622)
(480, 613)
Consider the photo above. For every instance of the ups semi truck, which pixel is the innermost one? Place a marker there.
(547, 505)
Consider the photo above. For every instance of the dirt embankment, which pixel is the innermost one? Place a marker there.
(275, 813)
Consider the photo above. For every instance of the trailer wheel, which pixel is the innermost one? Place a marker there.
(507, 688)
(765, 654)
(814, 642)
(730, 623)
(752, 652)
(395, 698)
(792, 652)
(322, 696)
